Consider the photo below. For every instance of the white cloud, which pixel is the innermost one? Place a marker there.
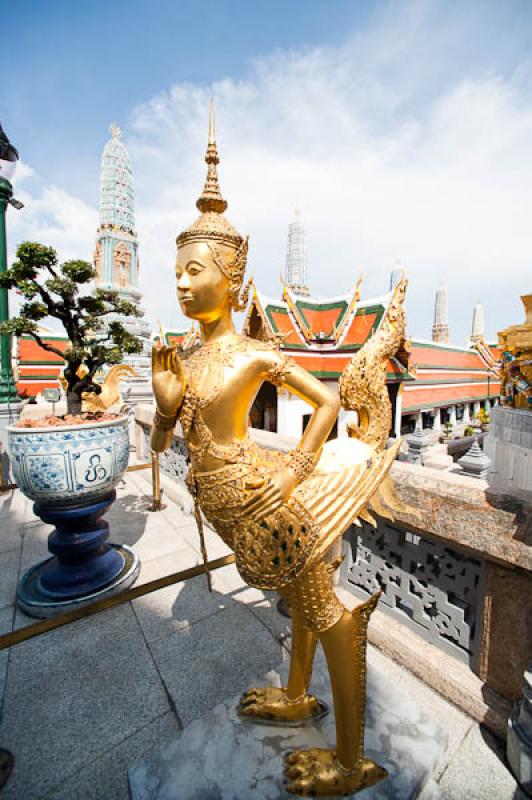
(51, 216)
(444, 185)
(401, 143)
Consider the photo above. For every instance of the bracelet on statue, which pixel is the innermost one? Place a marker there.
(301, 462)
(163, 422)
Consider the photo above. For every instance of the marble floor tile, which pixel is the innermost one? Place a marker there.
(176, 607)
(72, 694)
(9, 566)
(478, 771)
(105, 778)
(214, 659)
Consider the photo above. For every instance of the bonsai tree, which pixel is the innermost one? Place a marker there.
(448, 428)
(51, 290)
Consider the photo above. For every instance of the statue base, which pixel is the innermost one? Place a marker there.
(223, 756)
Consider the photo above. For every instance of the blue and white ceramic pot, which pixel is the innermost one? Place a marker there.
(71, 473)
(72, 465)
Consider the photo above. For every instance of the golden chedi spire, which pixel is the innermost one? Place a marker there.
(211, 225)
(211, 199)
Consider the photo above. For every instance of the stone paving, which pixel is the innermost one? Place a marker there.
(82, 704)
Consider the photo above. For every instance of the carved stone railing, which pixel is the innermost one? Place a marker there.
(456, 578)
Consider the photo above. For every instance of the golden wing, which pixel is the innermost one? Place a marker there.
(352, 474)
(350, 477)
(363, 381)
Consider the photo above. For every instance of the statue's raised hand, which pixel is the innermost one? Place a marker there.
(168, 379)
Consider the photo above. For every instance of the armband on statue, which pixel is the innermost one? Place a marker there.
(302, 463)
(277, 374)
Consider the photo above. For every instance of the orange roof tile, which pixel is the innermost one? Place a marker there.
(360, 328)
(282, 323)
(433, 356)
(427, 397)
(321, 319)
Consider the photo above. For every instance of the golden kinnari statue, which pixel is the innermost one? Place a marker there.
(516, 361)
(279, 512)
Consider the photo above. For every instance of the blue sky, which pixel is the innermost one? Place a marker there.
(403, 130)
(80, 65)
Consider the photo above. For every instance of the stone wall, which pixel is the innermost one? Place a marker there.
(459, 574)
(509, 445)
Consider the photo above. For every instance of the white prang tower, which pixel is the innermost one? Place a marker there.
(296, 257)
(477, 328)
(116, 259)
(440, 328)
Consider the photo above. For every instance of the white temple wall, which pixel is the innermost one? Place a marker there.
(290, 412)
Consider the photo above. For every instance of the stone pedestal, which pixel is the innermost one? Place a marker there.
(437, 457)
(418, 443)
(475, 463)
(509, 445)
(221, 755)
(519, 743)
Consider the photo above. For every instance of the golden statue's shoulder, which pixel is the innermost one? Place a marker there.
(249, 343)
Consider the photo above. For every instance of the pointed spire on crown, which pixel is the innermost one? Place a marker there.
(211, 198)
(115, 131)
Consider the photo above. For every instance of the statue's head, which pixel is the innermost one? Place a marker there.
(211, 254)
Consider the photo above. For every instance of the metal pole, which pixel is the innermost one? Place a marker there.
(156, 505)
(8, 390)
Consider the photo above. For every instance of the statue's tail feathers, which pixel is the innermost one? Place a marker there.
(363, 381)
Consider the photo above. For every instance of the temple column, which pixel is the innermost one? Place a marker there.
(398, 413)
(452, 415)
(466, 418)
(436, 427)
(476, 409)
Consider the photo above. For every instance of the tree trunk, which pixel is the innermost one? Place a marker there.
(73, 403)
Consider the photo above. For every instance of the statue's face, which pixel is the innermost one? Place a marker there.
(202, 289)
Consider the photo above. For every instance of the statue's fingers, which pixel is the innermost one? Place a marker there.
(258, 496)
(155, 357)
(168, 359)
(294, 771)
(291, 757)
(175, 363)
(249, 693)
(256, 484)
(258, 504)
(248, 705)
(246, 701)
(266, 509)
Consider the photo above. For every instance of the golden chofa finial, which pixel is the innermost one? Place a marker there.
(211, 198)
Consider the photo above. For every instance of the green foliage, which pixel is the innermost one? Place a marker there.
(53, 290)
(448, 427)
(482, 417)
(469, 431)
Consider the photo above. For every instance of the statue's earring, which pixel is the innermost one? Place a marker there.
(240, 303)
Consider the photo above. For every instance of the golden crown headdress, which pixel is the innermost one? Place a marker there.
(212, 227)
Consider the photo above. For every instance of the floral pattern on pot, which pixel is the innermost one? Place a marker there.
(71, 465)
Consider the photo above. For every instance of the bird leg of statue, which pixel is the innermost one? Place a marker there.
(279, 512)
